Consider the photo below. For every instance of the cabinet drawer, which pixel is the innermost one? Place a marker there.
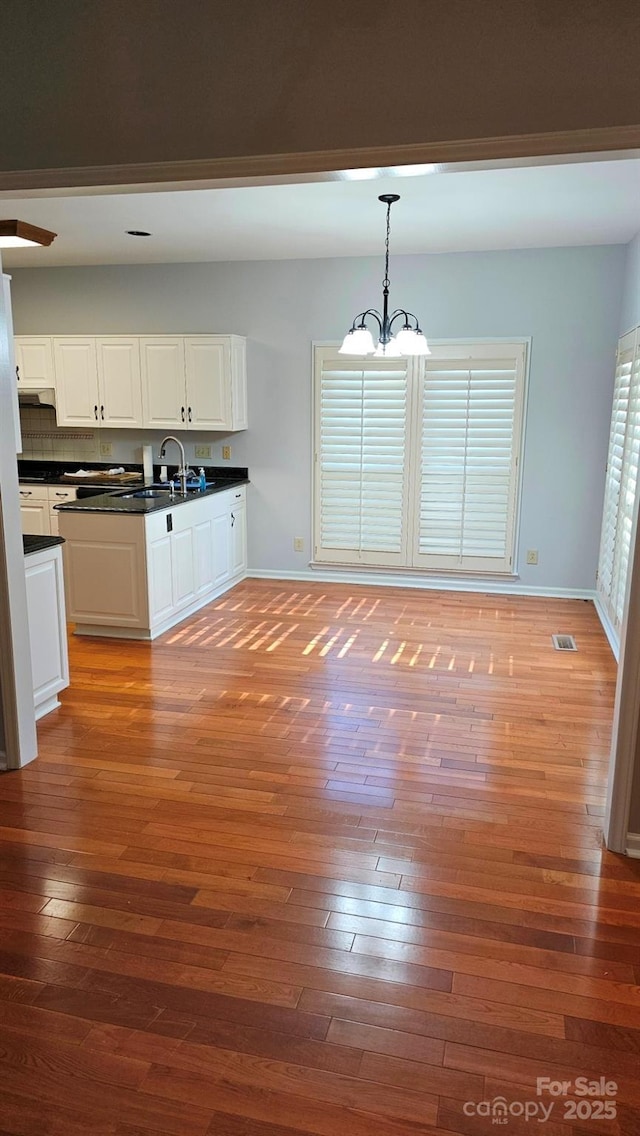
(237, 496)
(58, 495)
(33, 493)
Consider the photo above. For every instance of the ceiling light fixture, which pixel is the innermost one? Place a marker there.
(20, 234)
(408, 341)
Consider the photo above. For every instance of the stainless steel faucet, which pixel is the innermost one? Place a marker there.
(182, 472)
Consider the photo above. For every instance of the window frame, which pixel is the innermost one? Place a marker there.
(612, 597)
(480, 567)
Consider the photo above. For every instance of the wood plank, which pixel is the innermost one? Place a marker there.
(296, 881)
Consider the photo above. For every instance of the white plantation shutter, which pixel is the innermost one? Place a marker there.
(416, 460)
(471, 409)
(361, 427)
(621, 479)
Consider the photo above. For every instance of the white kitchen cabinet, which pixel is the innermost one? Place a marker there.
(34, 510)
(57, 494)
(15, 409)
(34, 361)
(238, 535)
(37, 507)
(98, 381)
(164, 396)
(119, 384)
(221, 536)
(77, 396)
(197, 381)
(161, 382)
(47, 627)
(208, 377)
(137, 575)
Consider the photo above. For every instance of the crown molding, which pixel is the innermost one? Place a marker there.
(604, 140)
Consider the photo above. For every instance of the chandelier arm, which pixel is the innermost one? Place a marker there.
(407, 315)
(370, 312)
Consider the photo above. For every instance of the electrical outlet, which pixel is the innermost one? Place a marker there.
(226, 453)
(106, 449)
(532, 556)
(203, 452)
(298, 544)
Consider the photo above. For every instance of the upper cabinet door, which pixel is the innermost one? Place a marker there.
(34, 361)
(164, 403)
(77, 398)
(208, 367)
(119, 381)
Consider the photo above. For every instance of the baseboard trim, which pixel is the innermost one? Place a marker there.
(607, 626)
(633, 845)
(430, 583)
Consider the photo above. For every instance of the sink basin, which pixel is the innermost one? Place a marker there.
(148, 493)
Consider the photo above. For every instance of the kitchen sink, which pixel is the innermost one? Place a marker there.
(148, 493)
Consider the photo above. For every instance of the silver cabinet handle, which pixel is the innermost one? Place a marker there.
(189, 410)
(17, 373)
(62, 494)
(95, 411)
(233, 520)
(182, 412)
(25, 492)
(102, 411)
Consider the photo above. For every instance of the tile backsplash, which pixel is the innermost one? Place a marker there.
(43, 439)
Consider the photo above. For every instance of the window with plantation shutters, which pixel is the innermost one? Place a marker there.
(361, 428)
(416, 460)
(621, 480)
(470, 413)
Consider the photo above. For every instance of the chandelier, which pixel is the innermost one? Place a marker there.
(409, 340)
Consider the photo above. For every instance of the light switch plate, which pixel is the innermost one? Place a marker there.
(226, 453)
(106, 449)
(203, 452)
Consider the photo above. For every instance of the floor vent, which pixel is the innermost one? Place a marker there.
(564, 642)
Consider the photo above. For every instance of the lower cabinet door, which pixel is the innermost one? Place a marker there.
(221, 549)
(184, 585)
(159, 582)
(238, 528)
(203, 556)
(47, 626)
(35, 517)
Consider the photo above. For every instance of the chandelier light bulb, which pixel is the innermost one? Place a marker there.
(412, 342)
(358, 341)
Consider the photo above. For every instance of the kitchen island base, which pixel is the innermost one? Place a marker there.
(132, 576)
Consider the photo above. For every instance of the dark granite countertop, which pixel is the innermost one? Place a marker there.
(33, 472)
(123, 503)
(39, 543)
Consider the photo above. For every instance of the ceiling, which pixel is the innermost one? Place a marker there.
(579, 203)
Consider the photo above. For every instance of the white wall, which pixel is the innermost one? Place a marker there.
(568, 300)
(630, 310)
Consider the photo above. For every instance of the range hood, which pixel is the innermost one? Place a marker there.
(44, 396)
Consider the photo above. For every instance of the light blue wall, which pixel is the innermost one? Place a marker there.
(568, 300)
(630, 311)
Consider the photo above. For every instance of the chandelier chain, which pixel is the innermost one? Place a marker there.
(386, 282)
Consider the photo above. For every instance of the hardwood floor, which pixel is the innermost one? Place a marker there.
(324, 859)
